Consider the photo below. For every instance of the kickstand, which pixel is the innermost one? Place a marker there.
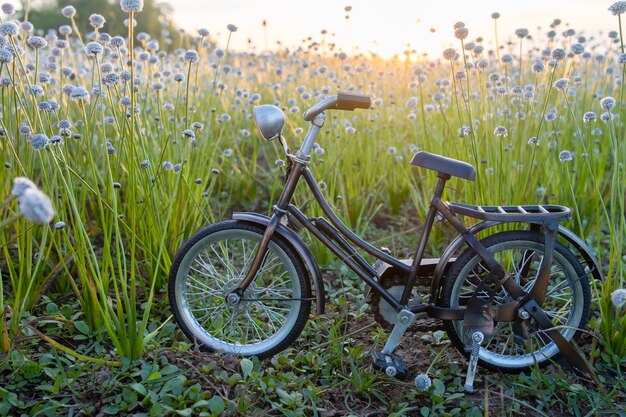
(477, 339)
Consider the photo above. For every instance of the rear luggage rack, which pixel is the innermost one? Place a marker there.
(538, 213)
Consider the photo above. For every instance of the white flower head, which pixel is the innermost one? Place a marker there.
(618, 297)
(131, 5)
(21, 184)
(618, 8)
(422, 382)
(36, 206)
(565, 156)
(68, 11)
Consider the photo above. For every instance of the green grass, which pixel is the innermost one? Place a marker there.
(125, 218)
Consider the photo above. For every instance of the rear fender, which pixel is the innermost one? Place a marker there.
(299, 247)
(589, 260)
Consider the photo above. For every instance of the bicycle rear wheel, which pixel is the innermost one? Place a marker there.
(274, 308)
(567, 302)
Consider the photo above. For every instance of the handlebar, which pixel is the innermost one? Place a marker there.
(342, 101)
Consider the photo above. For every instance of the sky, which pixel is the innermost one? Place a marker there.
(385, 26)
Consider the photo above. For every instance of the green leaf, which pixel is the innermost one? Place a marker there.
(216, 405)
(246, 367)
(139, 388)
(154, 375)
(425, 411)
(440, 388)
(111, 410)
(82, 327)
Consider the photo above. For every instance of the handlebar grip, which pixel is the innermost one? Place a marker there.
(351, 101)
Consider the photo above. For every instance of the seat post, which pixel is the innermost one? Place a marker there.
(428, 225)
(441, 183)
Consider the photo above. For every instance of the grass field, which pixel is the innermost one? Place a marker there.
(141, 140)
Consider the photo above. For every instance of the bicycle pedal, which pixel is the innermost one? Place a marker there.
(391, 365)
(477, 339)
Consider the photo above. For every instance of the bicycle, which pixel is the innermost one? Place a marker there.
(509, 301)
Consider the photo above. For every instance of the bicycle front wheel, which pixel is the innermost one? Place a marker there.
(274, 308)
(567, 301)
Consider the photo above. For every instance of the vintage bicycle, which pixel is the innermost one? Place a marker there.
(508, 301)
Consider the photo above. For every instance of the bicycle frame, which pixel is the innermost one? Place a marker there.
(334, 235)
(479, 314)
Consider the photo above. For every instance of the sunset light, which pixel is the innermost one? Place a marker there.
(383, 27)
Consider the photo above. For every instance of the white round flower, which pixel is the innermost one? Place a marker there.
(36, 206)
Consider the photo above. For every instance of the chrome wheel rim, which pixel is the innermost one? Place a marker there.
(268, 310)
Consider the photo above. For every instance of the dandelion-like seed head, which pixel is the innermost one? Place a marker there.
(144, 164)
(449, 54)
(565, 156)
(6, 57)
(521, 33)
(191, 56)
(618, 297)
(68, 11)
(20, 184)
(79, 94)
(561, 83)
(188, 134)
(228, 152)
(128, 6)
(203, 32)
(618, 8)
(56, 140)
(8, 9)
(8, 29)
(558, 54)
(39, 141)
(500, 131)
(97, 21)
(589, 117)
(550, 116)
(538, 67)
(65, 30)
(168, 166)
(533, 141)
(36, 42)
(578, 49)
(117, 41)
(423, 382)
(461, 33)
(411, 102)
(36, 206)
(231, 28)
(495, 15)
(93, 48)
(111, 79)
(607, 103)
(24, 130)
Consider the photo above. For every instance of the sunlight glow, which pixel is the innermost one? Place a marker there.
(385, 28)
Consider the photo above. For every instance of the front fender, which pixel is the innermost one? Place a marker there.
(299, 247)
(581, 247)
